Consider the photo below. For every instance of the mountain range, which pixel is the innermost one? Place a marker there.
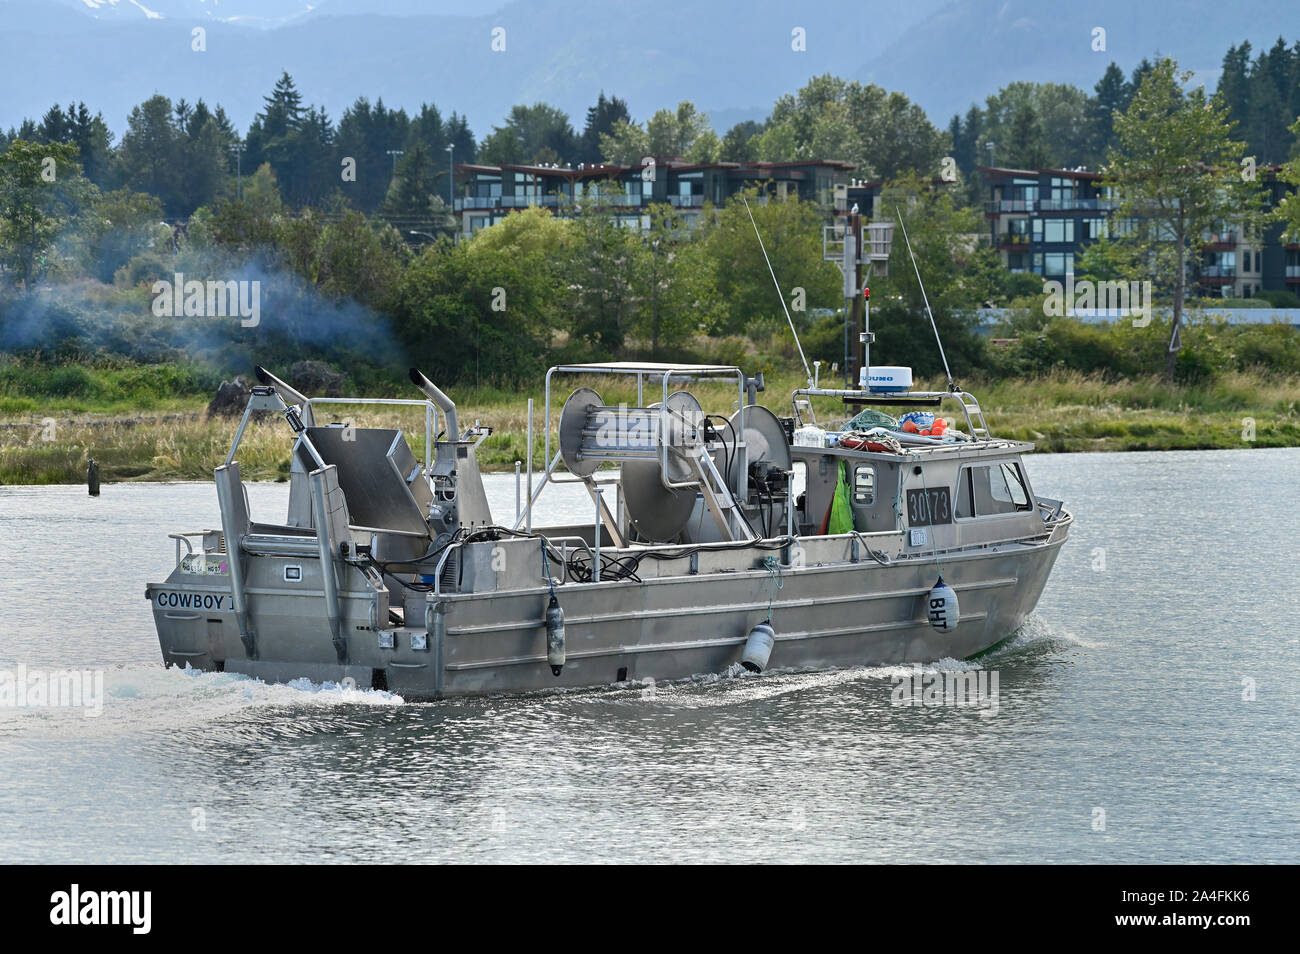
(731, 59)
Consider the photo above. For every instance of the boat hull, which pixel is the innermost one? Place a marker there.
(825, 613)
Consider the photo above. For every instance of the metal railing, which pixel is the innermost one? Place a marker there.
(430, 417)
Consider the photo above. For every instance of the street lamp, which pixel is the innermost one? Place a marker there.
(451, 176)
(238, 148)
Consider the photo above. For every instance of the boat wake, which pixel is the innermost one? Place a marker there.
(145, 696)
(1036, 640)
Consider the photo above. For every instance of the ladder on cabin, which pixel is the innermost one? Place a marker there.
(973, 414)
(717, 495)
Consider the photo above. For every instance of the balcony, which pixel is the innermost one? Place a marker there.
(1076, 204)
(477, 202)
(1225, 239)
(1293, 273)
(1008, 205)
(1219, 273)
(686, 201)
(1009, 241)
(472, 202)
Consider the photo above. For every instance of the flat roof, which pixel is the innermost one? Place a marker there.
(648, 367)
(1072, 173)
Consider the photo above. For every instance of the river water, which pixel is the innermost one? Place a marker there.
(1147, 712)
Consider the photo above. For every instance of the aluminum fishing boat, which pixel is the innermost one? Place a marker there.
(715, 540)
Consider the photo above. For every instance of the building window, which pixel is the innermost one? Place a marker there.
(1053, 230)
(1062, 192)
(1058, 263)
(1092, 229)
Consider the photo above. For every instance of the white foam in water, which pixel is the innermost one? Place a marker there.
(736, 684)
(145, 696)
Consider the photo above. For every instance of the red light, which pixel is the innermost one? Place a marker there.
(866, 293)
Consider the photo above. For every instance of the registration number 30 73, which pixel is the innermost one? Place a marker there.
(929, 506)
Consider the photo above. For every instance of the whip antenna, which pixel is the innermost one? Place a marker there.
(779, 294)
(925, 298)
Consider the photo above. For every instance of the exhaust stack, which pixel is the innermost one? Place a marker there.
(444, 403)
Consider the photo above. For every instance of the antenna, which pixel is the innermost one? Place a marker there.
(779, 293)
(925, 298)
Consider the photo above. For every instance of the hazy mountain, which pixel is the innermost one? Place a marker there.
(970, 48)
(732, 60)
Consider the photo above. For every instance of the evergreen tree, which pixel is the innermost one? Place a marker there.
(600, 120)
(365, 134)
(151, 157)
(1113, 93)
(738, 143)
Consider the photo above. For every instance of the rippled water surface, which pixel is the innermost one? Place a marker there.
(1122, 695)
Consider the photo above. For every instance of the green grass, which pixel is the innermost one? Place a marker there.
(173, 440)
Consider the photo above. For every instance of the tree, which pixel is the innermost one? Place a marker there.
(601, 119)
(681, 133)
(150, 157)
(675, 133)
(414, 185)
(1029, 148)
(117, 227)
(678, 292)
(884, 133)
(531, 135)
(738, 143)
(1037, 125)
(429, 128)
(1288, 209)
(364, 136)
(33, 207)
(205, 148)
(626, 144)
(959, 275)
(791, 231)
(605, 268)
(297, 142)
(486, 307)
(1176, 175)
(88, 133)
(1113, 93)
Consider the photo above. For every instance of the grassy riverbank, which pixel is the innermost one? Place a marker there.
(139, 432)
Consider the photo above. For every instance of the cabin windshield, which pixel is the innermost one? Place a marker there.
(991, 489)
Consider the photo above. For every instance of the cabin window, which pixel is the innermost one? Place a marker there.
(987, 490)
(864, 485)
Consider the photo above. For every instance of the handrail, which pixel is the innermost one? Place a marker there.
(430, 416)
(184, 538)
(442, 562)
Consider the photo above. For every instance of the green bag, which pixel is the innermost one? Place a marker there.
(841, 520)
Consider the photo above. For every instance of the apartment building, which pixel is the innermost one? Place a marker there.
(485, 194)
(1041, 220)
